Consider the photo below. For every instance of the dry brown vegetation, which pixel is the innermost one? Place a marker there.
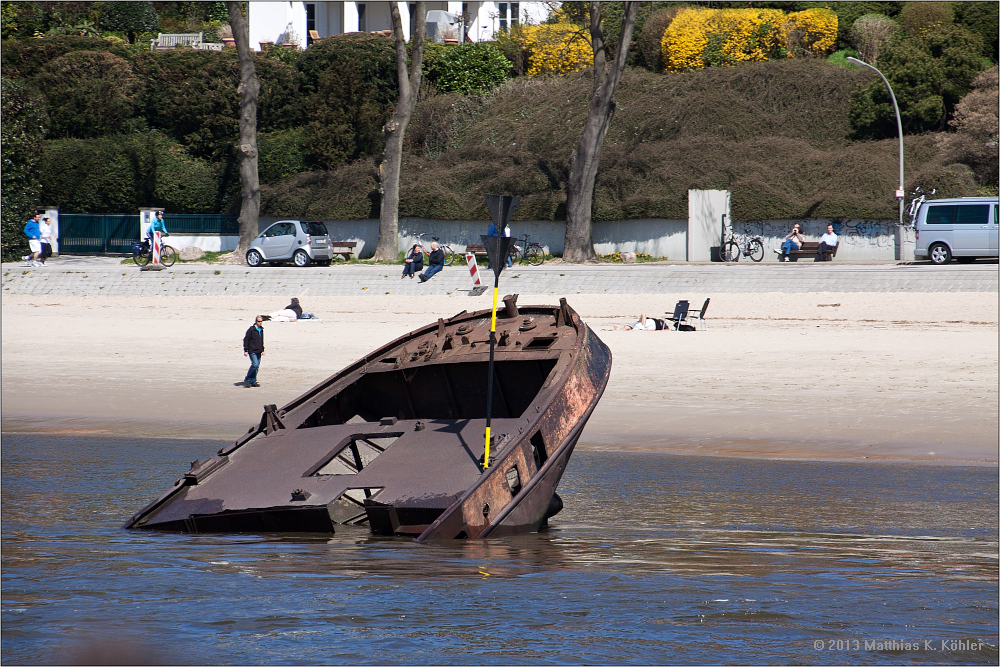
(773, 133)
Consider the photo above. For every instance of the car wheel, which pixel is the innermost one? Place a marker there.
(301, 258)
(939, 253)
(254, 258)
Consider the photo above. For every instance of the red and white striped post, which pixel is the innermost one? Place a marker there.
(473, 269)
(157, 244)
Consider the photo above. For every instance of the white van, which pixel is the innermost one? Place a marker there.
(964, 228)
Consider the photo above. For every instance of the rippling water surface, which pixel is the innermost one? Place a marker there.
(656, 559)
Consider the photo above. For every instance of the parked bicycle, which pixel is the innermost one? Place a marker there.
(449, 254)
(742, 244)
(532, 253)
(142, 253)
(917, 199)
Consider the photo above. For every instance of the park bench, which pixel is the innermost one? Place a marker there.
(171, 40)
(479, 250)
(812, 248)
(346, 248)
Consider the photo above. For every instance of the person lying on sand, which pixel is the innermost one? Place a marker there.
(644, 324)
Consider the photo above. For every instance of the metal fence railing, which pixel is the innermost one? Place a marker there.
(114, 233)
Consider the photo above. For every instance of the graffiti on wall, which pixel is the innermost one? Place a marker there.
(857, 233)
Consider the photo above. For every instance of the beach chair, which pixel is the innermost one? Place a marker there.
(680, 314)
(700, 312)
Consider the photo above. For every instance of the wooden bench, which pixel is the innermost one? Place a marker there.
(812, 248)
(479, 250)
(347, 248)
(171, 40)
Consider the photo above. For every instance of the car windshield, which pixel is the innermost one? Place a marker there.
(314, 228)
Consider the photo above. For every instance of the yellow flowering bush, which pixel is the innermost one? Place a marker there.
(558, 48)
(700, 37)
(813, 31)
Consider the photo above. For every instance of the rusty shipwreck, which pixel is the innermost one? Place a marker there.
(396, 440)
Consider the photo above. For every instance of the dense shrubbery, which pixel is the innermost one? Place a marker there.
(354, 88)
(773, 133)
(90, 94)
(929, 75)
(25, 121)
(130, 127)
(699, 38)
(120, 173)
(470, 68)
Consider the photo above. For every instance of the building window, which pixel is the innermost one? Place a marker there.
(310, 21)
(465, 22)
(362, 23)
(508, 14)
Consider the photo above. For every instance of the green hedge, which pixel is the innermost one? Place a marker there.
(122, 173)
(25, 121)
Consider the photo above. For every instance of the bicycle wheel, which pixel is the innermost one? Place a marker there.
(731, 252)
(167, 256)
(449, 255)
(535, 255)
(142, 258)
(755, 250)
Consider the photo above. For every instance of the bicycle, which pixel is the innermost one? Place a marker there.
(918, 198)
(748, 246)
(142, 253)
(449, 254)
(532, 253)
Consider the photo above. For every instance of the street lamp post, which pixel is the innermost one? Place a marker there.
(899, 128)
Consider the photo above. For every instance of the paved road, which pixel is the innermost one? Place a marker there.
(72, 276)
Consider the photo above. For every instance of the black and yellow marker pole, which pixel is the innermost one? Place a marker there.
(497, 247)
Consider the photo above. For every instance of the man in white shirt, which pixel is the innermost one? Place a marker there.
(827, 242)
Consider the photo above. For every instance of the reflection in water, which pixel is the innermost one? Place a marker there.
(656, 559)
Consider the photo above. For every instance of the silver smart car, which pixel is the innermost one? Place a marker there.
(301, 241)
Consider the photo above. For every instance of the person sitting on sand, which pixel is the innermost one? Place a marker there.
(289, 313)
(645, 324)
(414, 261)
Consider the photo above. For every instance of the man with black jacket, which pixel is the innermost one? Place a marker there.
(435, 263)
(253, 347)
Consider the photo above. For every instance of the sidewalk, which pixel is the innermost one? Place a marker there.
(107, 276)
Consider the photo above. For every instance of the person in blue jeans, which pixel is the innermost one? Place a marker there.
(793, 241)
(435, 262)
(253, 347)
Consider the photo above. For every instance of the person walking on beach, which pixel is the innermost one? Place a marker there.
(435, 262)
(34, 233)
(793, 241)
(253, 347)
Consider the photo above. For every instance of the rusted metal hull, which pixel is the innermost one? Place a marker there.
(396, 440)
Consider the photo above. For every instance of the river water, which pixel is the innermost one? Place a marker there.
(656, 559)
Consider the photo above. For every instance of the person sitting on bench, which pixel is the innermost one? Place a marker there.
(793, 241)
(827, 243)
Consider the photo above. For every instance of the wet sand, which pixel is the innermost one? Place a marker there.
(824, 376)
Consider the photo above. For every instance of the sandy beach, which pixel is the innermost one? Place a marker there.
(906, 377)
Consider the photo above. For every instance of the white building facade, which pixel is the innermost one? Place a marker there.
(301, 22)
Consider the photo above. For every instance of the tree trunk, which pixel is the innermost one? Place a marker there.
(583, 164)
(249, 90)
(395, 129)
